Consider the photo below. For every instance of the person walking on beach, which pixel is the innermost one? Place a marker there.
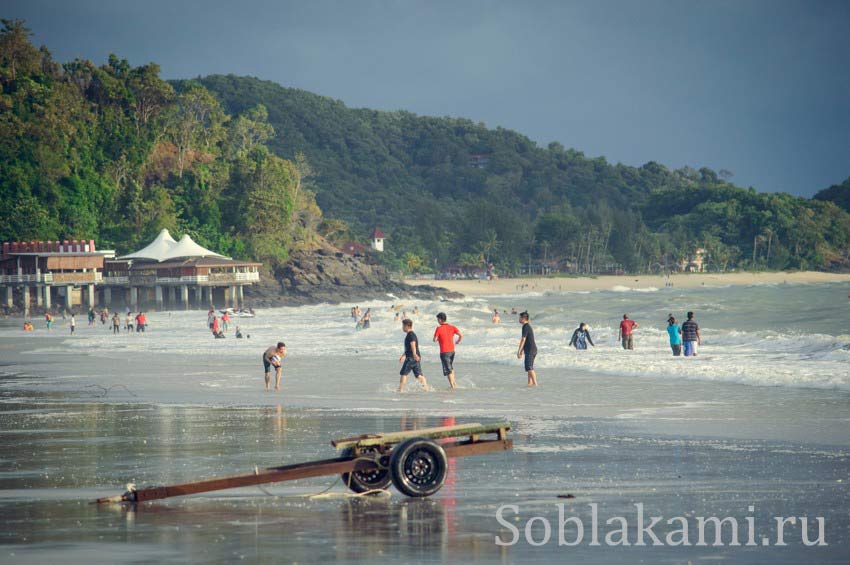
(581, 337)
(410, 358)
(48, 319)
(690, 336)
(675, 333)
(91, 316)
(273, 357)
(445, 334)
(73, 324)
(129, 322)
(116, 324)
(625, 333)
(527, 347)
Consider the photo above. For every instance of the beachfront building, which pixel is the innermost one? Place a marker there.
(47, 274)
(378, 240)
(694, 262)
(177, 274)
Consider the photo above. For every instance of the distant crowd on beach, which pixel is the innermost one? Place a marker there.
(220, 325)
(137, 323)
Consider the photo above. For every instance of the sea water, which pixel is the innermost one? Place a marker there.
(761, 418)
(774, 335)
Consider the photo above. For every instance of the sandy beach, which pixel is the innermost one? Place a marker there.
(754, 428)
(610, 282)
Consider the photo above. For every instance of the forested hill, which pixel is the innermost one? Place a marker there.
(114, 153)
(450, 191)
(837, 193)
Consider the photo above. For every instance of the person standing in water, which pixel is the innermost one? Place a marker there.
(690, 336)
(675, 333)
(273, 357)
(581, 337)
(527, 348)
(141, 322)
(625, 333)
(116, 324)
(410, 358)
(73, 324)
(445, 334)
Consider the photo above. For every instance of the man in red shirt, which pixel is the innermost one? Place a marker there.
(445, 335)
(626, 327)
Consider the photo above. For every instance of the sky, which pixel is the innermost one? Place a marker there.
(760, 88)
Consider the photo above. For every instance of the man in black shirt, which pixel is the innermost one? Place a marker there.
(410, 359)
(527, 347)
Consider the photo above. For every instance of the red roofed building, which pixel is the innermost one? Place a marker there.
(378, 240)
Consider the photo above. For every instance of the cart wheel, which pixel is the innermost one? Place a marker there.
(363, 481)
(418, 467)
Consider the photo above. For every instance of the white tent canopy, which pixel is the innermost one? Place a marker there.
(164, 248)
(187, 247)
(156, 250)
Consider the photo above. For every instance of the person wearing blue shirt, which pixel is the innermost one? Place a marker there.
(675, 333)
(581, 337)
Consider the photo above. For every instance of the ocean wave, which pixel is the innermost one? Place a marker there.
(620, 288)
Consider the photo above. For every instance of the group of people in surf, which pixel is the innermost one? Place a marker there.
(682, 338)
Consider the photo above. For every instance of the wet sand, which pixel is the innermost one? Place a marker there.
(77, 426)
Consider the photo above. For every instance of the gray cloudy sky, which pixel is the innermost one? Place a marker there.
(761, 88)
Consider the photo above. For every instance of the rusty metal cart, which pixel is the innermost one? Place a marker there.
(415, 462)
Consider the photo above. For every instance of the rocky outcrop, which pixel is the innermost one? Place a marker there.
(327, 275)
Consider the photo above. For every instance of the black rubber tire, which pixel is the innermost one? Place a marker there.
(418, 467)
(364, 481)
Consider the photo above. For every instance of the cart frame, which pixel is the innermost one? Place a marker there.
(363, 453)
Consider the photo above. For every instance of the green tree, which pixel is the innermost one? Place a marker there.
(271, 184)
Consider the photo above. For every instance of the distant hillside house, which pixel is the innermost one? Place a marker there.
(479, 161)
(694, 263)
(378, 240)
(353, 248)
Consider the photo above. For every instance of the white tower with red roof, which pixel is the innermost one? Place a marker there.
(378, 240)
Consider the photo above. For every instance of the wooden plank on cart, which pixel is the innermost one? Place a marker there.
(441, 432)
